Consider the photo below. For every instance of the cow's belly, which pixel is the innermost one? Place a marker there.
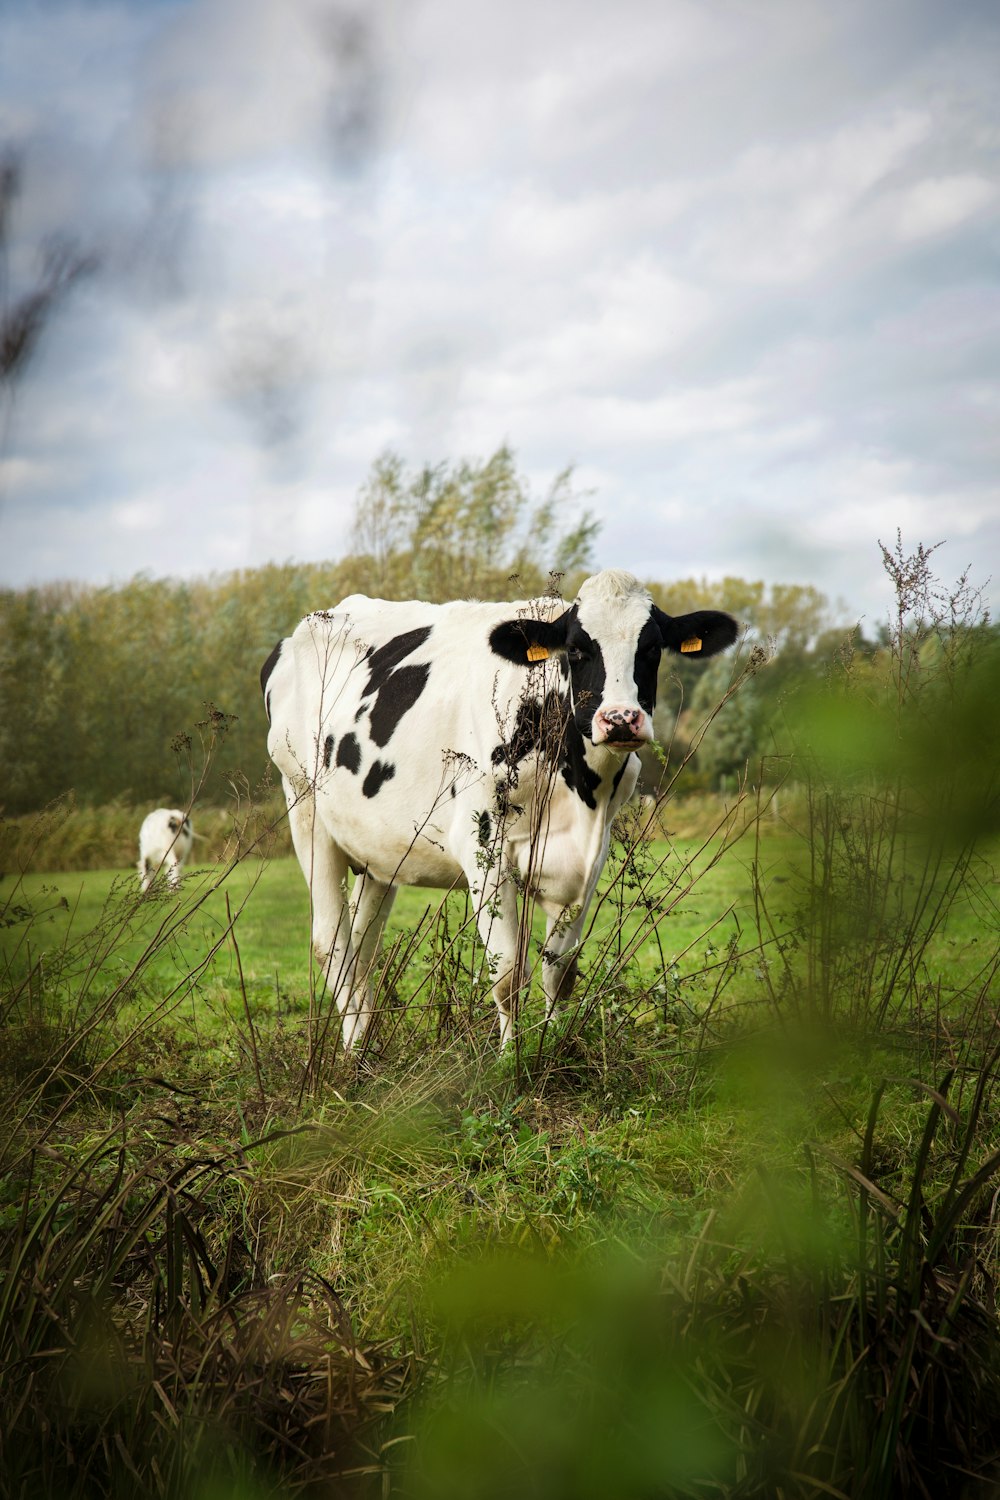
(561, 877)
(383, 836)
(416, 864)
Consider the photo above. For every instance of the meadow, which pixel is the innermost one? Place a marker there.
(267, 922)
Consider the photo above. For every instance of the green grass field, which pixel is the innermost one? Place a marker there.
(706, 1201)
(268, 916)
(664, 915)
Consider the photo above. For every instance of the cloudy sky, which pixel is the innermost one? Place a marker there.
(738, 261)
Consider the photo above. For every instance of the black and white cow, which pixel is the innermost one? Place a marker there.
(165, 840)
(471, 745)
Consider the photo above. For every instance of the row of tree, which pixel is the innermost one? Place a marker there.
(116, 693)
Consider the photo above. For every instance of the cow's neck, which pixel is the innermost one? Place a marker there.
(589, 770)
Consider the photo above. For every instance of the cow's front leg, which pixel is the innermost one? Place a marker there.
(562, 944)
(563, 937)
(496, 919)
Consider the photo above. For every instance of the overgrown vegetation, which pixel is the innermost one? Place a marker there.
(728, 1227)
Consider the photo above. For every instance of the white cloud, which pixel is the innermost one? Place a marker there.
(483, 84)
(138, 515)
(787, 211)
(615, 329)
(25, 475)
(561, 234)
(939, 204)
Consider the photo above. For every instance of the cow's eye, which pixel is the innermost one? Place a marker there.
(576, 654)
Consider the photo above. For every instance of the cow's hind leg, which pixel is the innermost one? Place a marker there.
(371, 903)
(324, 866)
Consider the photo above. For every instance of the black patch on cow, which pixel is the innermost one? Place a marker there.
(395, 688)
(265, 674)
(349, 754)
(485, 832)
(504, 806)
(514, 639)
(378, 775)
(587, 673)
(396, 697)
(540, 724)
(545, 726)
(384, 661)
(327, 752)
(576, 773)
(648, 650)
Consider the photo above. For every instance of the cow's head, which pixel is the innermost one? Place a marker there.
(610, 640)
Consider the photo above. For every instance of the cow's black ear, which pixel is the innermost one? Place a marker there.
(701, 633)
(526, 641)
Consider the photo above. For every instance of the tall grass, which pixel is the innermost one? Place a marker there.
(830, 1336)
(146, 1354)
(149, 1344)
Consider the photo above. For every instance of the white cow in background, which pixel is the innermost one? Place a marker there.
(165, 840)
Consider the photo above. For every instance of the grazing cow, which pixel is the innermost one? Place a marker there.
(165, 839)
(471, 745)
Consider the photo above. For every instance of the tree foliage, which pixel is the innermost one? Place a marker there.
(465, 529)
(118, 694)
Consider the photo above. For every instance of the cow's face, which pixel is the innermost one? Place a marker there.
(610, 642)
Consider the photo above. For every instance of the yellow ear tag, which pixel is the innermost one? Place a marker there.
(693, 643)
(537, 653)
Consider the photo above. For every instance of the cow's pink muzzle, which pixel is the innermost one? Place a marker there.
(622, 728)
